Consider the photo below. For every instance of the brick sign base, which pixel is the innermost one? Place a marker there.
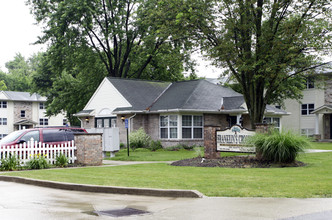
(210, 143)
(89, 149)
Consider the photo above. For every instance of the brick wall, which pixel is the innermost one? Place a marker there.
(89, 149)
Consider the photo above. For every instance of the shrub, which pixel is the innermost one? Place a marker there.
(275, 146)
(199, 151)
(186, 147)
(155, 145)
(38, 162)
(61, 160)
(139, 139)
(175, 148)
(122, 146)
(10, 163)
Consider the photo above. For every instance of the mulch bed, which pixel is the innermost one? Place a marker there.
(234, 162)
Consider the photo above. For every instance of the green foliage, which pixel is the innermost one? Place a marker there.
(38, 161)
(155, 145)
(199, 151)
(139, 139)
(123, 35)
(175, 148)
(10, 163)
(280, 147)
(61, 160)
(20, 71)
(122, 146)
(268, 47)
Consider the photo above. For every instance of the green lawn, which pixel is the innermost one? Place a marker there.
(313, 180)
(161, 155)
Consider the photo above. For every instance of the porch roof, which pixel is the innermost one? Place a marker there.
(324, 109)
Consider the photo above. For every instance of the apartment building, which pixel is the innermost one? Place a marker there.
(22, 110)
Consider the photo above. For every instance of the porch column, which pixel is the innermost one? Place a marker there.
(317, 123)
(238, 117)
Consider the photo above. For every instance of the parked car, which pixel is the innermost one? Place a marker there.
(48, 135)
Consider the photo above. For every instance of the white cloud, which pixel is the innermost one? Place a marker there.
(18, 31)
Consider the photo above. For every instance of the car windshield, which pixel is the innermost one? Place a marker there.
(11, 137)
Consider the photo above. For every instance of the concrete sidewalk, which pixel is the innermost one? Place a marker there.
(20, 201)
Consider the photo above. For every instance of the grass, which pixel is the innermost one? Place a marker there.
(313, 180)
(160, 155)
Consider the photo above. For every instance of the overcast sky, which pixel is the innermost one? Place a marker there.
(19, 32)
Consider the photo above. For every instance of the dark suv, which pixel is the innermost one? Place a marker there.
(48, 135)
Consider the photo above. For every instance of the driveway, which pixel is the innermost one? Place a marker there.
(19, 201)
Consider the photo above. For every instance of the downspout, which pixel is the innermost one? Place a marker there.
(129, 122)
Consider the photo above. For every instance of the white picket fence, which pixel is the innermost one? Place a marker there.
(26, 151)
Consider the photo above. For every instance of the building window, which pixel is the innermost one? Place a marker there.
(169, 126)
(105, 122)
(41, 105)
(43, 121)
(3, 104)
(2, 136)
(310, 84)
(22, 113)
(306, 109)
(274, 121)
(3, 121)
(192, 126)
(308, 132)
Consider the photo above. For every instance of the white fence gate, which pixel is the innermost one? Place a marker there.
(26, 151)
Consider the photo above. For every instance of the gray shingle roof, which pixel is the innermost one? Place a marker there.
(195, 95)
(24, 96)
(139, 93)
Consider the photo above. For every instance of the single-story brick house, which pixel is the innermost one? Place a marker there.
(174, 113)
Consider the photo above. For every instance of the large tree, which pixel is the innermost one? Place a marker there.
(124, 34)
(267, 45)
(19, 73)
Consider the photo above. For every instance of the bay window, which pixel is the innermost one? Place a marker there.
(181, 126)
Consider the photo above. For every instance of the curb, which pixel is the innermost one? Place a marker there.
(106, 189)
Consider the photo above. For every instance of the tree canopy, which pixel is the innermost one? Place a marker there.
(266, 45)
(124, 35)
(19, 75)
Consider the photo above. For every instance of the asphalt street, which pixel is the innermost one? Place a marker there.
(20, 201)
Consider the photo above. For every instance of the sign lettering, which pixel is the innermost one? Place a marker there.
(233, 140)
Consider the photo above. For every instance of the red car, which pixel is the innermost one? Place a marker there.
(48, 135)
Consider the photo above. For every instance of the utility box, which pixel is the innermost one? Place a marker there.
(110, 140)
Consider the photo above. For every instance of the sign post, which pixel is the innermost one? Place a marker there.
(126, 126)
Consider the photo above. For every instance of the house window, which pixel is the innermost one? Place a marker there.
(41, 105)
(192, 126)
(306, 109)
(2, 136)
(310, 84)
(307, 132)
(22, 113)
(3, 104)
(43, 121)
(3, 121)
(169, 126)
(105, 122)
(274, 121)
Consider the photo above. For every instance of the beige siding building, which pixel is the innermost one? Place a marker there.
(22, 110)
(312, 115)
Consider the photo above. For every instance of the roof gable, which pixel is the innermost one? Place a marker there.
(139, 93)
(105, 97)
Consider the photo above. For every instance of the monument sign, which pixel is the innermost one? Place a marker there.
(232, 140)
